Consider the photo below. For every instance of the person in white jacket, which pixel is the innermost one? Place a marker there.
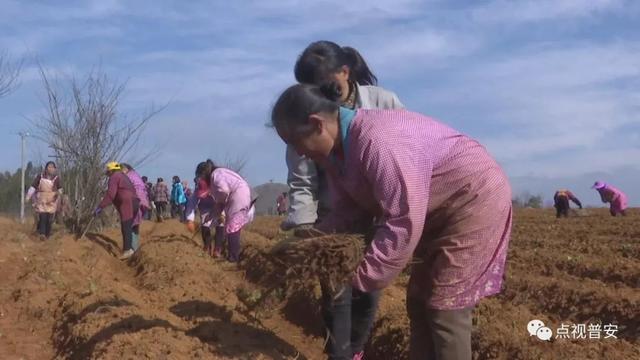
(348, 317)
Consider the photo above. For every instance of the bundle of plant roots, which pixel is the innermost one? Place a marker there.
(300, 264)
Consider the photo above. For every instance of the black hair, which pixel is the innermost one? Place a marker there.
(176, 179)
(160, 179)
(144, 179)
(290, 114)
(321, 59)
(125, 165)
(50, 163)
(204, 170)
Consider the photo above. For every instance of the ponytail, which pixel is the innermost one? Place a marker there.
(359, 70)
(321, 59)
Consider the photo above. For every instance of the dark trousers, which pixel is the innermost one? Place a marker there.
(205, 231)
(178, 210)
(438, 334)
(44, 224)
(183, 213)
(126, 227)
(233, 249)
(161, 209)
(562, 206)
(348, 318)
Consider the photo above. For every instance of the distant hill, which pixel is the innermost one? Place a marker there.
(268, 193)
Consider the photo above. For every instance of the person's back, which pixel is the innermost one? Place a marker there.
(160, 192)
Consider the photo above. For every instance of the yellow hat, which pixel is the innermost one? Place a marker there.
(113, 165)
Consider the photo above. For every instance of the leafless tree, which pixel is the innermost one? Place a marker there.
(236, 163)
(9, 73)
(85, 130)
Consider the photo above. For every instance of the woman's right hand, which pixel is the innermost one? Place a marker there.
(191, 226)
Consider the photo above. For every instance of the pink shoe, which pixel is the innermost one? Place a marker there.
(359, 356)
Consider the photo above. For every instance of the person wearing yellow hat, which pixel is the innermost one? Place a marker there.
(122, 194)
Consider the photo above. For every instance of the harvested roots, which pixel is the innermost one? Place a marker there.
(331, 259)
(298, 263)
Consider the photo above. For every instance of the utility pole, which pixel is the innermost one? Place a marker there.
(23, 135)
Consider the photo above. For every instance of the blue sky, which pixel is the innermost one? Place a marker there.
(551, 87)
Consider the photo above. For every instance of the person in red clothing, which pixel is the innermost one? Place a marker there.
(561, 202)
(122, 194)
(282, 204)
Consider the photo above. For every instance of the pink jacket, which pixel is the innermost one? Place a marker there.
(431, 190)
(232, 195)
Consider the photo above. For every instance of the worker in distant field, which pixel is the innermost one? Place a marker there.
(232, 195)
(178, 199)
(202, 200)
(617, 200)
(152, 205)
(141, 193)
(122, 194)
(438, 198)
(282, 204)
(561, 202)
(45, 192)
(149, 189)
(160, 198)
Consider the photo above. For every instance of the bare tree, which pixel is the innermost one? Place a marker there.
(236, 163)
(84, 129)
(9, 73)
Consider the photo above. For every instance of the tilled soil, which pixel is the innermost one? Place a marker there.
(71, 299)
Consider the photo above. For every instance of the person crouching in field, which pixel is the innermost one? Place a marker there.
(561, 202)
(436, 195)
(617, 200)
(202, 200)
(232, 195)
(122, 194)
(45, 192)
(141, 194)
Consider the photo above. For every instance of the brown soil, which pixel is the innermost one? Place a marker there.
(75, 300)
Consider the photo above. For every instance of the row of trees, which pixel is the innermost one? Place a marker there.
(526, 200)
(10, 188)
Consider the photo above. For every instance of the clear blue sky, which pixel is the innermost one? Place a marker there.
(551, 87)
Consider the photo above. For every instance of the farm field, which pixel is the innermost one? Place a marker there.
(73, 299)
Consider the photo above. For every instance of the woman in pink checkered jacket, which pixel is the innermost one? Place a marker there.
(438, 199)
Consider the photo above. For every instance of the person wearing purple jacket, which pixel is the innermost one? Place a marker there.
(141, 193)
(435, 197)
(122, 194)
(617, 200)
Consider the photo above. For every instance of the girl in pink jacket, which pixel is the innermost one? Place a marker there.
(232, 195)
(617, 200)
(435, 197)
